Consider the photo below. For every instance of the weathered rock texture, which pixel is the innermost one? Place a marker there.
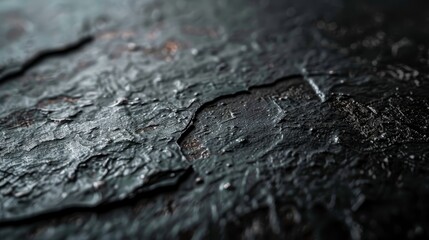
(244, 119)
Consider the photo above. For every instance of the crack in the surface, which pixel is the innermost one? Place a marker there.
(148, 190)
(6, 75)
(190, 126)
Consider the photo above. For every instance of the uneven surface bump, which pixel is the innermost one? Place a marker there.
(214, 119)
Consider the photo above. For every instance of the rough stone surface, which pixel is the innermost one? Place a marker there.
(245, 119)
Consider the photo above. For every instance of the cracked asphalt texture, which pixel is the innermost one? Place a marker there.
(202, 119)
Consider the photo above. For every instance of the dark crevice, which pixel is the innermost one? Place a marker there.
(157, 184)
(7, 75)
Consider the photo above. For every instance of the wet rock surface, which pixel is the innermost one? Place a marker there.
(214, 119)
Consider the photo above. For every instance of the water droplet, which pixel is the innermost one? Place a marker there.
(132, 46)
(97, 184)
(227, 186)
(199, 180)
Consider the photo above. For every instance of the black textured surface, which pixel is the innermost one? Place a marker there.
(211, 119)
